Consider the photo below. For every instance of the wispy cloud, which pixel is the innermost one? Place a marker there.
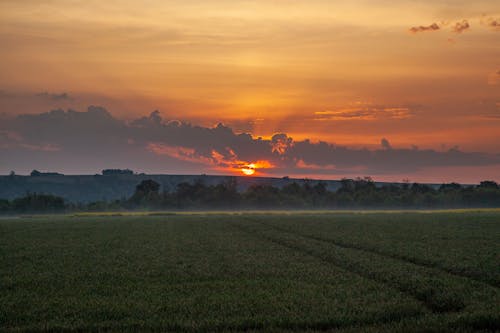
(422, 28)
(366, 113)
(460, 27)
(54, 96)
(491, 23)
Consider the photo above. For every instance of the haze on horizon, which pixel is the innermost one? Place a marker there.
(333, 88)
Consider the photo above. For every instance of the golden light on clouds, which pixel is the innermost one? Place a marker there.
(302, 66)
(248, 170)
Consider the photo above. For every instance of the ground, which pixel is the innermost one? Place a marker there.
(254, 271)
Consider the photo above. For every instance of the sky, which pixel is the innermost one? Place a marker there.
(321, 89)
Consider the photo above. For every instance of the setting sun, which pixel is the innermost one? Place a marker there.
(248, 169)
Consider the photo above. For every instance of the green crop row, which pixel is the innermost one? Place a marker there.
(250, 272)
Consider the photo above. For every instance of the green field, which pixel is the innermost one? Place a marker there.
(348, 272)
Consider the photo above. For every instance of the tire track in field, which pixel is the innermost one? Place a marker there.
(434, 299)
(372, 250)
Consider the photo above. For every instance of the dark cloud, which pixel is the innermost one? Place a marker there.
(280, 143)
(92, 140)
(421, 28)
(154, 120)
(460, 27)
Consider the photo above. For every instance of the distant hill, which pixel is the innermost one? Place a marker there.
(88, 188)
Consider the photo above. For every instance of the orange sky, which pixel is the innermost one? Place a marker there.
(347, 72)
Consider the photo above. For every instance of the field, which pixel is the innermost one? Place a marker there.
(306, 271)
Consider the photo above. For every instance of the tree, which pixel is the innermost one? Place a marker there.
(226, 194)
(262, 196)
(488, 184)
(450, 187)
(114, 172)
(346, 186)
(147, 192)
(147, 187)
(34, 202)
(4, 205)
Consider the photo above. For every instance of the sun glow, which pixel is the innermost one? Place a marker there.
(248, 170)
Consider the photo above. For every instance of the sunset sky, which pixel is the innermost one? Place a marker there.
(389, 89)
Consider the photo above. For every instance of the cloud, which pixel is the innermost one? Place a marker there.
(35, 102)
(421, 28)
(226, 161)
(93, 140)
(280, 143)
(366, 112)
(491, 23)
(12, 140)
(42, 96)
(315, 167)
(460, 27)
(180, 153)
(54, 96)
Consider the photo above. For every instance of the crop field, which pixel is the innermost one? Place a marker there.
(282, 272)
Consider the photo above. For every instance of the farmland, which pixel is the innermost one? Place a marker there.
(253, 271)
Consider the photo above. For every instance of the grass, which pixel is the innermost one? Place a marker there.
(251, 271)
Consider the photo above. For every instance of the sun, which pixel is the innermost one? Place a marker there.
(248, 169)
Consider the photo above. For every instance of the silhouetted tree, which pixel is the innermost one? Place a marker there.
(4, 205)
(353, 193)
(147, 193)
(488, 184)
(34, 202)
(450, 187)
(114, 172)
(262, 196)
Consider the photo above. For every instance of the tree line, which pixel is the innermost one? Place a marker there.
(352, 194)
